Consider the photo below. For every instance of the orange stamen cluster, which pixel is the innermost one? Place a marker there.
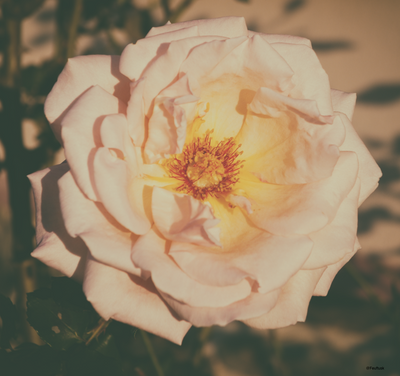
(204, 169)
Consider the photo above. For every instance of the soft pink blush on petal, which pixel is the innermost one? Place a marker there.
(254, 305)
(107, 240)
(55, 247)
(310, 79)
(81, 134)
(277, 38)
(80, 74)
(324, 284)
(126, 298)
(369, 172)
(292, 304)
(112, 178)
(259, 259)
(136, 57)
(149, 253)
(183, 218)
(163, 71)
(343, 102)
(336, 239)
(229, 27)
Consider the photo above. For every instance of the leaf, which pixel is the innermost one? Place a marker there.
(61, 315)
(8, 315)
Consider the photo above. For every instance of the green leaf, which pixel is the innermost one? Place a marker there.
(61, 315)
(8, 315)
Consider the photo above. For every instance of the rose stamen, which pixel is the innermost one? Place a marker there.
(206, 170)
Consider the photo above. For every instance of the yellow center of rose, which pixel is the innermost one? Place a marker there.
(204, 169)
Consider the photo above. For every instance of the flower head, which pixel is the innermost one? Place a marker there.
(211, 175)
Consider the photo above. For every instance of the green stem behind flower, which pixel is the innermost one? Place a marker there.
(151, 352)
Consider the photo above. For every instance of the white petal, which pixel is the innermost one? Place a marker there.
(127, 298)
(183, 218)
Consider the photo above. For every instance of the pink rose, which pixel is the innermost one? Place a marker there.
(211, 175)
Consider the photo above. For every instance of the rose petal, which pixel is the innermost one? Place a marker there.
(289, 149)
(79, 74)
(269, 102)
(135, 112)
(107, 240)
(255, 304)
(127, 298)
(301, 209)
(167, 125)
(111, 178)
(336, 239)
(310, 79)
(182, 218)
(229, 27)
(259, 259)
(136, 57)
(81, 135)
(148, 253)
(276, 38)
(368, 172)
(164, 70)
(330, 272)
(343, 102)
(292, 304)
(55, 247)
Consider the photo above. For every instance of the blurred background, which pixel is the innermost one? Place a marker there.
(358, 43)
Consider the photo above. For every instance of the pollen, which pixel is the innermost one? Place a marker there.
(206, 170)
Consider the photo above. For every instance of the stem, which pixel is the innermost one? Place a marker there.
(97, 330)
(151, 352)
(73, 28)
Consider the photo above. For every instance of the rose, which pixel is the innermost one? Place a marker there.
(211, 175)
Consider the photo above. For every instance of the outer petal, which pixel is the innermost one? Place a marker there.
(337, 239)
(135, 112)
(81, 73)
(81, 136)
(127, 298)
(276, 38)
(183, 218)
(136, 57)
(343, 102)
(108, 242)
(55, 247)
(310, 79)
(254, 305)
(369, 172)
(292, 304)
(283, 143)
(112, 178)
(229, 27)
(149, 253)
(301, 209)
(268, 259)
(326, 280)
